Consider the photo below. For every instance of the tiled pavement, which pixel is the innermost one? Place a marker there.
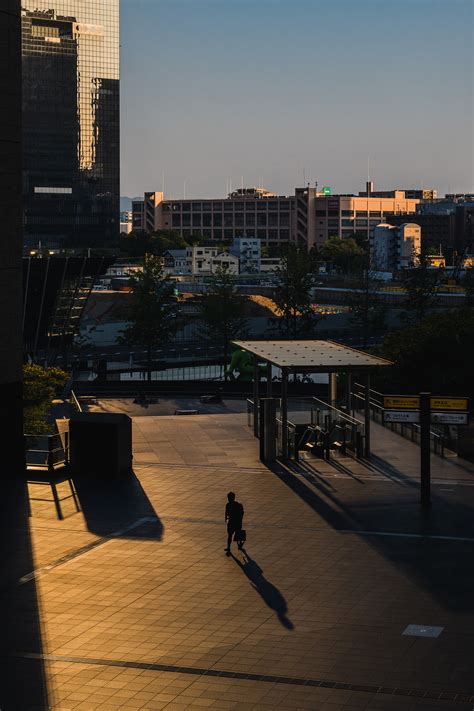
(135, 606)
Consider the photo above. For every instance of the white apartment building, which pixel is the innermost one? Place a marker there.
(394, 247)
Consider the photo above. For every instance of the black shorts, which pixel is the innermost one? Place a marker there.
(233, 527)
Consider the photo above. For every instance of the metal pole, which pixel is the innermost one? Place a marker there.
(367, 414)
(332, 389)
(425, 454)
(255, 396)
(284, 412)
(269, 379)
(348, 393)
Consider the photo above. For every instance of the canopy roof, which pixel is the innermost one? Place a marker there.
(312, 356)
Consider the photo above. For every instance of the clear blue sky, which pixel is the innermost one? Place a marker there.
(217, 90)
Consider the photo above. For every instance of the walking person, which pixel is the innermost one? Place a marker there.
(234, 513)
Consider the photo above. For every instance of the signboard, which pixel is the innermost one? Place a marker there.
(449, 403)
(326, 190)
(401, 402)
(449, 418)
(401, 416)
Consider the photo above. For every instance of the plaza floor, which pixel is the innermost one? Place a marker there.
(131, 603)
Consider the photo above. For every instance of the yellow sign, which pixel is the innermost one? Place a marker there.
(401, 402)
(449, 403)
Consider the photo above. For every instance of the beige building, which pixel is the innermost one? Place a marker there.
(345, 215)
(308, 217)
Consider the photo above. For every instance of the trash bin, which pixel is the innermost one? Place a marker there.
(100, 444)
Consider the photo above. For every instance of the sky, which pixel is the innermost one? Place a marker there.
(216, 93)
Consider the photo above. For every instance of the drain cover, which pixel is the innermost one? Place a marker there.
(422, 631)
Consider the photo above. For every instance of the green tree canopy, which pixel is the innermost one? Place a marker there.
(420, 283)
(221, 309)
(40, 386)
(153, 314)
(435, 355)
(367, 311)
(293, 296)
(345, 254)
(137, 244)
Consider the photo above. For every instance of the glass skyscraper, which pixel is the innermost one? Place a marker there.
(71, 166)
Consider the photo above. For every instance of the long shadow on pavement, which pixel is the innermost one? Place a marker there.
(23, 684)
(118, 506)
(395, 525)
(267, 591)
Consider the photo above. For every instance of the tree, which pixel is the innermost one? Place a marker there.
(40, 386)
(153, 315)
(221, 309)
(344, 253)
(293, 294)
(368, 311)
(468, 285)
(420, 283)
(435, 355)
(140, 243)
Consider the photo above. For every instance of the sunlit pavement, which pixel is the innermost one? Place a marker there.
(140, 608)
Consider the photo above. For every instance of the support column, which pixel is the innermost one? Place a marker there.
(348, 393)
(269, 380)
(284, 412)
(367, 414)
(255, 396)
(333, 389)
(11, 403)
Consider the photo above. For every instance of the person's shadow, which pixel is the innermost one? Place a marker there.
(267, 591)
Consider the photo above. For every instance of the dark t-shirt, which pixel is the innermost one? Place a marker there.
(234, 512)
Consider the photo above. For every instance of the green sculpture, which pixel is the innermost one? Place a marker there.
(242, 362)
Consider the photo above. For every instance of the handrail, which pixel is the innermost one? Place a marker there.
(75, 402)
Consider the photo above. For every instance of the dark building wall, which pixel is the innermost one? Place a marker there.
(435, 229)
(11, 239)
(71, 122)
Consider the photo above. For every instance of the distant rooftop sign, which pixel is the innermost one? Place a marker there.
(326, 190)
(313, 356)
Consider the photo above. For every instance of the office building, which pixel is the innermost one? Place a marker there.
(394, 248)
(436, 228)
(11, 410)
(248, 212)
(199, 261)
(70, 57)
(347, 215)
(308, 217)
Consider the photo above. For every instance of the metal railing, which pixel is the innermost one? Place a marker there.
(408, 430)
(46, 452)
(74, 401)
(311, 420)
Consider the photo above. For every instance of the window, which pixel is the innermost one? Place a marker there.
(333, 213)
(217, 234)
(346, 223)
(285, 234)
(176, 220)
(218, 219)
(262, 234)
(272, 205)
(346, 213)
(206, 220)
(284, 205)
(186, 219)
(250, 206)
(262, 220)
(272, 218)
(284, 219)
(228, 234)
(217, 206)
(206, 206)
(239, 219)
(320, 213)
(196, 220)
(196, 207)
(186, 206)
(229, 206)
(262, 205)
(239, 206)
(250, 220)
(228, 220)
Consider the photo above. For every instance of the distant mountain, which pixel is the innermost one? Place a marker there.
(126, 203)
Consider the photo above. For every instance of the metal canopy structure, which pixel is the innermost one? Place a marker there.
(312, 356)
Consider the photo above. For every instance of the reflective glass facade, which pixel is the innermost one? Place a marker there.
(71, 121)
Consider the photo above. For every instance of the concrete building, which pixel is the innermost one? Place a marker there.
(394, 248)
(248, 251)
(198, 261)
(345, 215)
(249, 212)
(436, 228)
(11, 410)
(308, 217)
